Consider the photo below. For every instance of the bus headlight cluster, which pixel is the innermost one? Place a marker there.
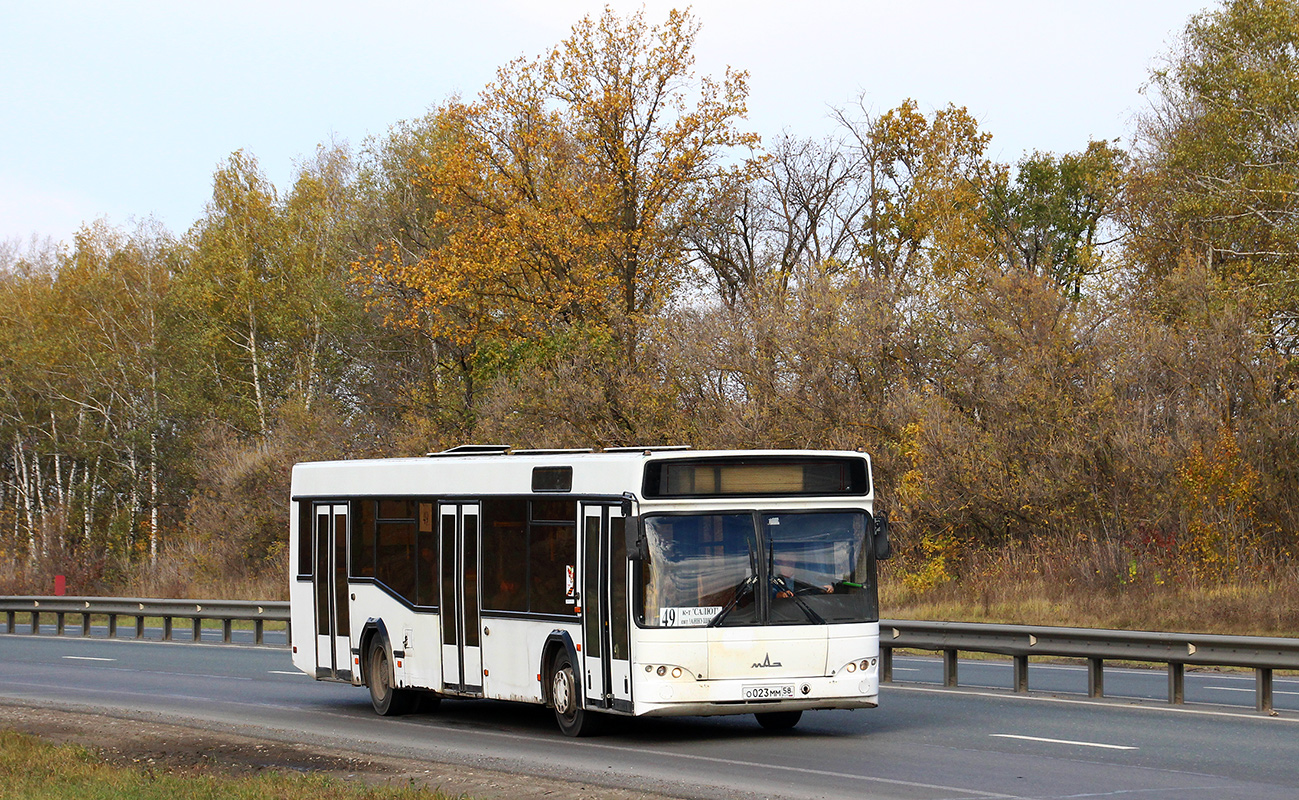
(863, 665)
(663, 670)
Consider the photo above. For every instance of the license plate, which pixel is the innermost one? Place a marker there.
(781, 691)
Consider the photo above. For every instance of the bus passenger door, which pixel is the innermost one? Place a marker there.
(333, 634)
(605, 636)
(594, 629)
(462, 656)
(618, 618)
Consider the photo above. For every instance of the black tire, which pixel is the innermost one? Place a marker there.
(387, 699)
(566, 697)
(779, 720)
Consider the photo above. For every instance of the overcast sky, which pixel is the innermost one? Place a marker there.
(123, 110)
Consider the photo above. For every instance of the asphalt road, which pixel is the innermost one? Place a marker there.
(923, 742)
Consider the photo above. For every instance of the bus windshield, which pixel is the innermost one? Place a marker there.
(733, 569)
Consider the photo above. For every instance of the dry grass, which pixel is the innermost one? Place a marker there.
(1087, 588)
(175, 575)
(30, 768)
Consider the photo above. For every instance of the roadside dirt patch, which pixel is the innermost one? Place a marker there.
(182, 750)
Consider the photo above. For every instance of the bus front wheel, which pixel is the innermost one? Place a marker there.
(387, 699)
(779, 720)
(566, 696)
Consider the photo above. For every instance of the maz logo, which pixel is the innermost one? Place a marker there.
(766, 662)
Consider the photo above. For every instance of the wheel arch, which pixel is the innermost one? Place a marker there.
(558, 642)
(373, 628)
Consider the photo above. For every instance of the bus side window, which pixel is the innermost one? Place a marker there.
(306, 538)
(363, 538)
(426, 570)
(396, 562)
(505, 545)
(551, 549)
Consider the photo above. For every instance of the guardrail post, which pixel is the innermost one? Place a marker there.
(949, 668)
(198, 629)
(10, 620)
(1263, 690)
(1095, 677)
(1176, 683)
(1021, 673)
(112, 626)
(258, 631)
(226, 625)
(886, 665)
(288, 630)
(166, 629)
(85, 623)
(36, 623)
(139, 626)
(58, 623)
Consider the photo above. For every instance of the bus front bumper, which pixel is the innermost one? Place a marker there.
(663, 697)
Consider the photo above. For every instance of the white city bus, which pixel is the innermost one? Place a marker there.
(633, 581)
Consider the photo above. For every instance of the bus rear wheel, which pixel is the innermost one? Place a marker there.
(566, 697)
(387, 699)
(779, 720)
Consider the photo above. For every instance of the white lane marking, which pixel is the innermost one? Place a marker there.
(1238, 689)
(283, 672)
(1064, 741)
(88, 658)
(905, 669)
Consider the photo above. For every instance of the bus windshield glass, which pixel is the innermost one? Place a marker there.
(734, 569)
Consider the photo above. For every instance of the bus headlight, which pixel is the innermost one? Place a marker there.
(662, 670)
(863, 665)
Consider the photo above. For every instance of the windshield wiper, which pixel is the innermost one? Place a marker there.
(807, 610)
(743, 589)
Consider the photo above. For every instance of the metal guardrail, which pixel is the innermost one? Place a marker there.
(227, 612)
(1020, 642)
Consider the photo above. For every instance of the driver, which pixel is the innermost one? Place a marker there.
(783, 584)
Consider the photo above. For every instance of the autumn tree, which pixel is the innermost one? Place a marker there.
(84, 398)
(1218, 160)
(1058, 215)
(261, 301)
(802, 206)
(561, 194)
(230, 293)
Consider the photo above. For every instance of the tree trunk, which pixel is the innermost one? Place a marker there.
(257, 368)
(153, 499)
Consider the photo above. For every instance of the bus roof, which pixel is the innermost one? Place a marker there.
(501, 471)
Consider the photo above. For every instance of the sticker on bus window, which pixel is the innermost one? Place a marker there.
(570, 581)
(687, 616)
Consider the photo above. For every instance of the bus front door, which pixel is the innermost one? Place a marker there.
(605, 641)
(462, 656)
(333, 635)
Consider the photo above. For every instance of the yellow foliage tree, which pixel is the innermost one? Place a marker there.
(562, 192)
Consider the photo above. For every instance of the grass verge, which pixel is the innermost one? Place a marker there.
(33, 769)
(1255, 609)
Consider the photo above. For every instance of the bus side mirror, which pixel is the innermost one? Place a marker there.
(635, 542)
(883, 547)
